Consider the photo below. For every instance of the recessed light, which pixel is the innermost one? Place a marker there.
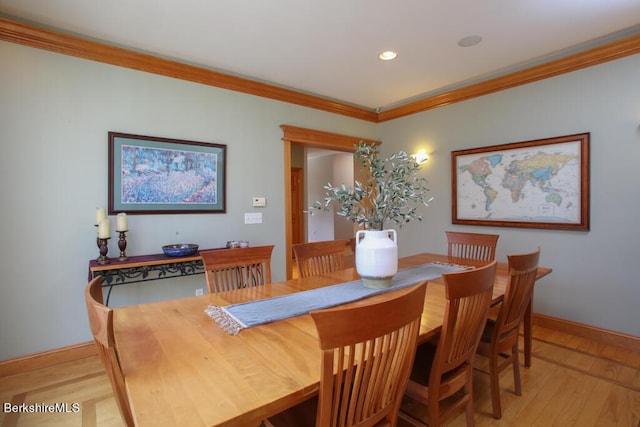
(469, 41)
(388, 55)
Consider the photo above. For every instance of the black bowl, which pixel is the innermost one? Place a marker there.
(181, 249)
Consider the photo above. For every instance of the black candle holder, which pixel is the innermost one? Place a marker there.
(122, 244)
(103, 244)
(98, 243)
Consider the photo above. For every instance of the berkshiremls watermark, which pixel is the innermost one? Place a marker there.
(60, 407)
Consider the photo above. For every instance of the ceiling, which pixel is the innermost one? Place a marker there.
(329, 48)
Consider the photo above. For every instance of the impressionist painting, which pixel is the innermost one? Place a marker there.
(160, 175)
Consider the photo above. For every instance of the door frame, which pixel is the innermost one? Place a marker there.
(293, 135)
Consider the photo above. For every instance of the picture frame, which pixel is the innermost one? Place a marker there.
(542, 183)
(154, 175)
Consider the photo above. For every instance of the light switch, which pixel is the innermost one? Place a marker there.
(253, 218)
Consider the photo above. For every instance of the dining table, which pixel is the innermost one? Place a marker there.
(182, 368)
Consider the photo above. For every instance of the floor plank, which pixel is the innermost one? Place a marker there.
(573, 381)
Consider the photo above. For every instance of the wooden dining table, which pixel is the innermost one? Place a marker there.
(181, 368)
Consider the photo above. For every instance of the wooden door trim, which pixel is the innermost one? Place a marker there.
(312, 138)
(297, 171)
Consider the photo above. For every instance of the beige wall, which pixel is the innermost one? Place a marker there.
(594, 279)
(55, 112)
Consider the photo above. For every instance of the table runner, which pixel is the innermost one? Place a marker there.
(235, 317)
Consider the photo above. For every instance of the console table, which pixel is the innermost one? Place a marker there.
(142, 268)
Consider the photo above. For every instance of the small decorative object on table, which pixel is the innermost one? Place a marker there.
(101, 213)
(181, 249)
(104, 234)
(122, 227)
(391, 185)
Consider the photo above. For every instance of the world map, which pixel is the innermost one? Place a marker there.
(540, 184)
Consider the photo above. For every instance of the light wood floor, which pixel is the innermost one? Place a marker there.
(573, 382)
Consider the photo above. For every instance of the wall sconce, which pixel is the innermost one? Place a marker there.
(420, 156)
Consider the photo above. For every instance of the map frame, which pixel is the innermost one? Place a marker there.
(579, 185)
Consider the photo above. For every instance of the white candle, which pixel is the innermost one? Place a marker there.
(103, 229)
(101, 213)
(121, 222)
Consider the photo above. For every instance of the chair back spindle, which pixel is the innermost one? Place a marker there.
(316, 258)
(229, 269)
(474, 246)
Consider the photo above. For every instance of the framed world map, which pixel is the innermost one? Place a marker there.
(542, 183)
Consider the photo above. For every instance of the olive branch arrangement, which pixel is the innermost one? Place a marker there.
(390, 194)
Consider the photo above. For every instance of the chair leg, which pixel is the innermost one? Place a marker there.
(494, 375)
(433, 408)
(516, 370)
(469, 410)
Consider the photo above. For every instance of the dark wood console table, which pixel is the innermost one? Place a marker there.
(142, 268)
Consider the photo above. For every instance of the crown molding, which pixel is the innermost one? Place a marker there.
(40, 38)
(595, 56)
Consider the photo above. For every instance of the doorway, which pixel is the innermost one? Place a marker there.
(320, 167)
(296, 136)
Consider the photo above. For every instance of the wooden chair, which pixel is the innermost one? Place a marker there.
(442, 374)
(101, 323)
(228, 269)
(371, 348)
(499, 340)
(315, 258)
(472, 245)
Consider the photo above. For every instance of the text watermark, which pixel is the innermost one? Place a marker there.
(60, 407)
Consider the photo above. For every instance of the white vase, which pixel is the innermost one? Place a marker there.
(376, 257)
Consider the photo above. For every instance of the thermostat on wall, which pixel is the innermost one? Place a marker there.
(259, 202)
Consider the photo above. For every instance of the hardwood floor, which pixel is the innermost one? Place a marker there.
(572, 382)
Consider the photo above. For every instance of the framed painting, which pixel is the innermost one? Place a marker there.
(151, 175)
(542, 183)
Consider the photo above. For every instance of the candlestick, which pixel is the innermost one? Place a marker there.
(104, 249)
(122, 244)
(121, 222)
(104, 229)
(101, 213)
(97, 242)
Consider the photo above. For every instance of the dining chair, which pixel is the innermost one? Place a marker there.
(475, 246)
(442, 373)
(229, 269)
(499, 341)
(366, 354)
(315, 258)
(101, 323)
